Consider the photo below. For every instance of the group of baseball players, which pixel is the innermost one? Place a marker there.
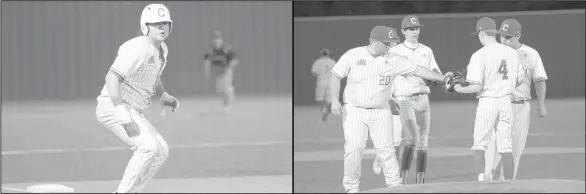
(387, 90)
(134, 77)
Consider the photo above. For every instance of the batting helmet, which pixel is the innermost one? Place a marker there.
(154, 13)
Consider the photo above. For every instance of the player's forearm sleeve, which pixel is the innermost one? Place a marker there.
(113, 87)
(335, 88)
(540, 91)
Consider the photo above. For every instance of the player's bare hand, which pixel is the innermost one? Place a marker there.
(336, 108)
(542, 111)
(457, 87)
(170, 101)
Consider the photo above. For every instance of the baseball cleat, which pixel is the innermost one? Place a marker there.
(352, 190)
(481, 177)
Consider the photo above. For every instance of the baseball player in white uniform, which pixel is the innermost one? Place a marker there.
(411, 94)
(370, 71)
(510, 33)
(321, 70)
(132, 80)
(493, 73)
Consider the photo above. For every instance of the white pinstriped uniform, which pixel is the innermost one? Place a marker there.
(322, 68)
(411, 94)
(140, 64)
(497, 69)
(367, 109)
(534, 70)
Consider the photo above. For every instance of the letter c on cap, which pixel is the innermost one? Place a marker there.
(413, 20)
(505, 27)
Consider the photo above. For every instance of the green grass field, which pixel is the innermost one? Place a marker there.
(62, 142)
(554, 150)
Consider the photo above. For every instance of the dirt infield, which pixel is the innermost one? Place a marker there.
(206, 148)
(519, 186)
(554, 151)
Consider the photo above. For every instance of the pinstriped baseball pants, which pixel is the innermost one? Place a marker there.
(415, 116)
(521, 122)
(152, 150)
(491, 114)
(357, 124)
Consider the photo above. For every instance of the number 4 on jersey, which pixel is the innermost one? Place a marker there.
(503, 69)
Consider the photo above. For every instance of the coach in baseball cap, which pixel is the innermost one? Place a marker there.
(382, 38)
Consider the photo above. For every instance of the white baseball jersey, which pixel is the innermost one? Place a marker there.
(367, 110)
(140, 64)
(414, 109)
(419, 54)
(534, 71)
(496, 68)
(369, 78)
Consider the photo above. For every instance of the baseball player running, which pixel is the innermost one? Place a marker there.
(492, 73)
(132, 80)
(411, 94)
(510, 33)
(221, 60)
(321, 70)
(370, 71)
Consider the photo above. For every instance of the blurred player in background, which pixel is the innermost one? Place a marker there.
(131, 81)
(220, 61)
(411, 94)
(370, 71)
(321, 70)
(492, 73)
(510, 33)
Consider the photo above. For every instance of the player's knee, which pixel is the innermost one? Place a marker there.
(409, 142)
(148, 149)
(353, 148)
(479, 147)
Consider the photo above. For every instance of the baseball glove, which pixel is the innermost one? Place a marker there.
(459, 78)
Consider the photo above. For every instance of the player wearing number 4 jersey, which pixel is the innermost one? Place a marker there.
(493, 73)
(510, 33)
(130, 83)
(370, 72)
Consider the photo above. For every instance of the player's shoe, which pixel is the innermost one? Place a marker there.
(398, 184)
(377, 166)
(324, 117)
(481, 177)
(352, 190)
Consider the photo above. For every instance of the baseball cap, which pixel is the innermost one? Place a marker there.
(510, 27)
(384, 34)
(485, 23)
(410, 21)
